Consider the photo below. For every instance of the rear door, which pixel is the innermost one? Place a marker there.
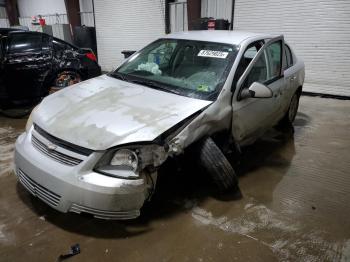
(252, 116)
(290, 75)
(28, 62)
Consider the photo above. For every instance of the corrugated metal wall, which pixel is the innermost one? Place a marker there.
(40, 7)
(86, 12)
(219, 9)
(178, 16)
(318, 30)
(4, 22)
(124, 24)
(50, 19)
(53, 11)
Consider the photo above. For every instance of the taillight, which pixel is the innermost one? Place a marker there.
(91, 56)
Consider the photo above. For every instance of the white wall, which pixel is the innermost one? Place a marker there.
(219, 9)
(4, 22)
(126, 25)
(86, 14)
(85, 5)
(3, 13)
(318, 31)
(178, 16)
(42, 7)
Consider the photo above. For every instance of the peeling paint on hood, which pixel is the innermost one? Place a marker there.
(104, 112)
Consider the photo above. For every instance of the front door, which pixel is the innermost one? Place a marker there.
(28, 61)
(253, 116)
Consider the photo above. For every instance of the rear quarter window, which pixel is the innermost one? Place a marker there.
(289, 56)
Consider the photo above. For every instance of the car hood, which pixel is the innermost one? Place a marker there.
(104, 112)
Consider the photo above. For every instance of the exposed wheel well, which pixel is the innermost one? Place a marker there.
(68, 69)
(51, 77)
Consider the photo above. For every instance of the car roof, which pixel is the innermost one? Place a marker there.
(219, 36)
(5, 31)
(40, 33)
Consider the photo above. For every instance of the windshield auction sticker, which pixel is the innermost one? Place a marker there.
(214, 54)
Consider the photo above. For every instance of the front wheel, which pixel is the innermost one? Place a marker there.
(17, 112)
(214, 162)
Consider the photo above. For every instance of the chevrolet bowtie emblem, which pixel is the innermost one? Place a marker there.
(51, 147)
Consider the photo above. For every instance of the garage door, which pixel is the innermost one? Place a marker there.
(126, 25)
(319, 31)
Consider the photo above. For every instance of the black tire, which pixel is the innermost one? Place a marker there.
(16, 112)
(292, 111)
(214, 162)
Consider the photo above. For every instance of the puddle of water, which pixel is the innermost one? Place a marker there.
(5, 237)
(8, 137)
(287, 239)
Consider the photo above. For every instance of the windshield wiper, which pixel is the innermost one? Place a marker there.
(148, 83)
(118, 76)
(154, 85)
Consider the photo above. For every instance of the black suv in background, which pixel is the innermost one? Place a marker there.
(32, 63)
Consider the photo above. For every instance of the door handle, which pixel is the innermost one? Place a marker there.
(292, 78)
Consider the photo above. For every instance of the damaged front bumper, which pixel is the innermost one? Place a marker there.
(76, 188)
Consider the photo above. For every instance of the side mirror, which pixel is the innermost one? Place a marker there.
(127, 53)
(257, 90)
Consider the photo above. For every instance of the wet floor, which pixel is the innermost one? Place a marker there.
(293, 206)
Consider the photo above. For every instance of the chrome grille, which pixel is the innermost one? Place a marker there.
(37, 190)
(58, 156)
(63, 144)
(103, 214)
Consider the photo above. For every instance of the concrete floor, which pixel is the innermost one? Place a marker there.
(294, 205)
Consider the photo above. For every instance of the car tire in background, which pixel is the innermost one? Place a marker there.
(17, 112)
(65, 78)
(214, 162)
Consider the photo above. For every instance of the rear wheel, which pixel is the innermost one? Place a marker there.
(64, 79)
(214, 162)
(290, 115)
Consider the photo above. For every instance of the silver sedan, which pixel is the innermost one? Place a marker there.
(95, 147)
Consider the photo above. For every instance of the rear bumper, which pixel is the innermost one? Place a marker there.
(77, 188)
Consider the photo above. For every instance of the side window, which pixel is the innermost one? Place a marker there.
(274, 54)
(250, 53)
(247, 57)
(267, 67)
(25, 43)
(258, 72)
(58, 46)
(289, 56)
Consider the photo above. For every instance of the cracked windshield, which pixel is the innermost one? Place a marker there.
(189, 68)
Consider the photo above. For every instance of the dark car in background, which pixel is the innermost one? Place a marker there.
(4, 31)
(34, 63)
